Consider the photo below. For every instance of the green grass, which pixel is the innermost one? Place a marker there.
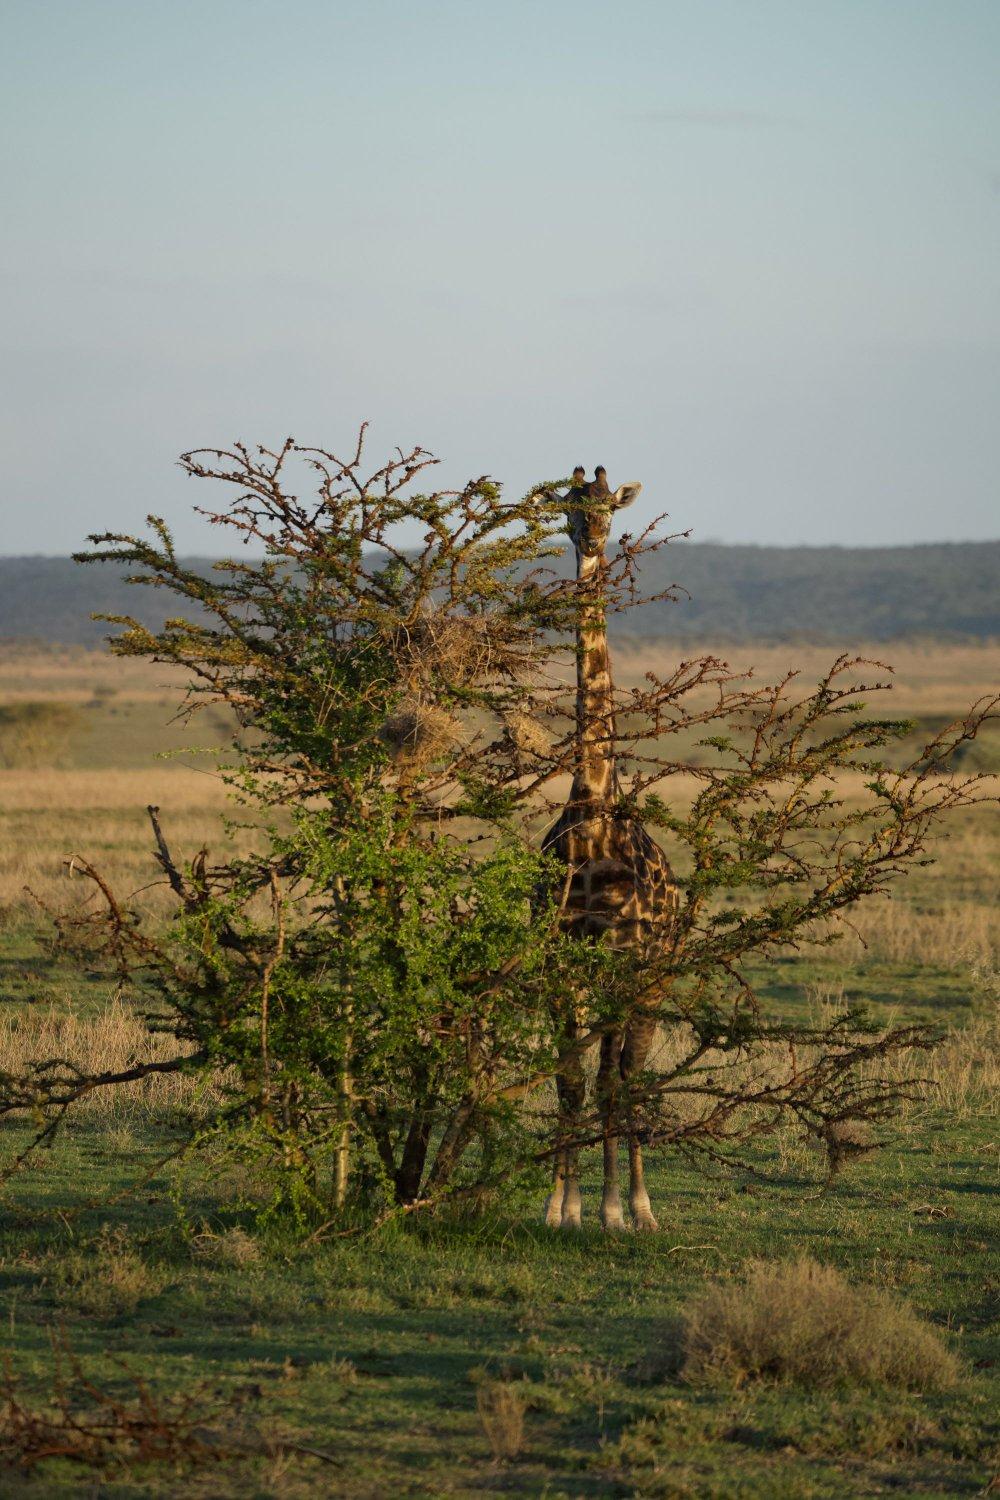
(372, 1350)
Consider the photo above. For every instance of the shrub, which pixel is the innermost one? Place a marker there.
(34, 734)
(230, 1248)
(106, 1278)
(501, 1411)
(803, 1322)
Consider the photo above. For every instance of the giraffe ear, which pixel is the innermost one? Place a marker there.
(624, 495)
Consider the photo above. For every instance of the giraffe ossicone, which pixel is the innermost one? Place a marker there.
(619, 887)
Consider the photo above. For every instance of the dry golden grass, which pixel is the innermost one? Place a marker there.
(931, 677)
(47, 816)
(803, 1322)
(227, 1248)
(962, 1073)
(74, 674)
(501, 1411)
(947, 917)
(39, 792)
(110, 1041)
(945, 935)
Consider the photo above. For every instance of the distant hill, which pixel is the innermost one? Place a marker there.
(948, 590)
(838, 595)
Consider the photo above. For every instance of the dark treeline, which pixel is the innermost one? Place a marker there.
(838, 595)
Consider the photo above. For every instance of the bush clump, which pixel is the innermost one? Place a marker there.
(501, 1411)
(229, 1248)
(803, 1322)
(105, 1278)
(35, 734)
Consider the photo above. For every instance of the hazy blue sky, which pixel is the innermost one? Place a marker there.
(747, 251)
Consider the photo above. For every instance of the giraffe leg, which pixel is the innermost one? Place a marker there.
(638, 1198)
(575, 1086)
(611, 1197)
(607, 1078)
(564, 1206)
(554, 1204)
(638, 1041)
(572, 1204)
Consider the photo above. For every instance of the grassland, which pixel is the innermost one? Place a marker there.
(381, 1366)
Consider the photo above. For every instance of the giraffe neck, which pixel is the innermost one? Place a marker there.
(595, 779)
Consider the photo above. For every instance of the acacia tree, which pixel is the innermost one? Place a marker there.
(375, 991)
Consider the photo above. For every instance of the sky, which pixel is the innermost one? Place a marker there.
(744, 251)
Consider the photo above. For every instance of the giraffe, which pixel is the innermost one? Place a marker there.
(620, 888)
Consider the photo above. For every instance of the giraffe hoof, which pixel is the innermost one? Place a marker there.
(612, 1221)
(645, 1224)
(572, 1206)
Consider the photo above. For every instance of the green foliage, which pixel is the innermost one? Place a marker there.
(371, 989)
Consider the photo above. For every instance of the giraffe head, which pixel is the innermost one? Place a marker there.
(589, 509)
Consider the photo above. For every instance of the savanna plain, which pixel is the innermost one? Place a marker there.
(438, 1357)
